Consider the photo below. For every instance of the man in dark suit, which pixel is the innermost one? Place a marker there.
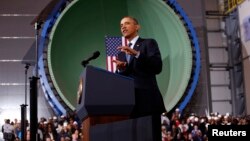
(141, 60)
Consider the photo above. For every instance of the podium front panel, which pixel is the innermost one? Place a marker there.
(106, 93)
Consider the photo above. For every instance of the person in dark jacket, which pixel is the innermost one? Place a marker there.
(141, 60)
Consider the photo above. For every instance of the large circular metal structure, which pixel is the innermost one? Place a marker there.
(82, 26)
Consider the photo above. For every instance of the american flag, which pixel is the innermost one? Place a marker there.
(112, 43)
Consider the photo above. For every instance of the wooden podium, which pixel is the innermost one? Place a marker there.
(103, 97)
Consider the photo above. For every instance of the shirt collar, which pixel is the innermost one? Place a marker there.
(133, 41)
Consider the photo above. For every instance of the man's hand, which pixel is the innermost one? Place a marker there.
(120, 65)
(128, 50)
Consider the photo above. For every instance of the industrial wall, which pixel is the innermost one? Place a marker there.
(17, 48)
(244, 21)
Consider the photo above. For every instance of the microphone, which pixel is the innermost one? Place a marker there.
(94, 56)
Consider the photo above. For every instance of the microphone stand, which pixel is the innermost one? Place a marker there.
(85, 63)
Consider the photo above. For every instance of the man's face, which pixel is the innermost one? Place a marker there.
(129, 28)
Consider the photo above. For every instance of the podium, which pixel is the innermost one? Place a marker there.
(103, 97)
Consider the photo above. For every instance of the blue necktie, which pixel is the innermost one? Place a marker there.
(127, 55)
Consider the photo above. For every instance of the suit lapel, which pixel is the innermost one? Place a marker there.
(137, 44)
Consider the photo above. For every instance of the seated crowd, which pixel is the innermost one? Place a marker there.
(194, 128)
(174, 127)
(64, 128)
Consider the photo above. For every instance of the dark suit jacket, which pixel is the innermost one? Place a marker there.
(144, 70)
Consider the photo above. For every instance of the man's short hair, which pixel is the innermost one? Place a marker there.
(134, 19)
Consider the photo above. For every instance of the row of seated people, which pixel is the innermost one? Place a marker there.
(174, 127)
(191, 127)
(63, 128)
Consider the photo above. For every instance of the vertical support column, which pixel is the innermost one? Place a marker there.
(33, 108)
(237, 85)
(23, 121)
